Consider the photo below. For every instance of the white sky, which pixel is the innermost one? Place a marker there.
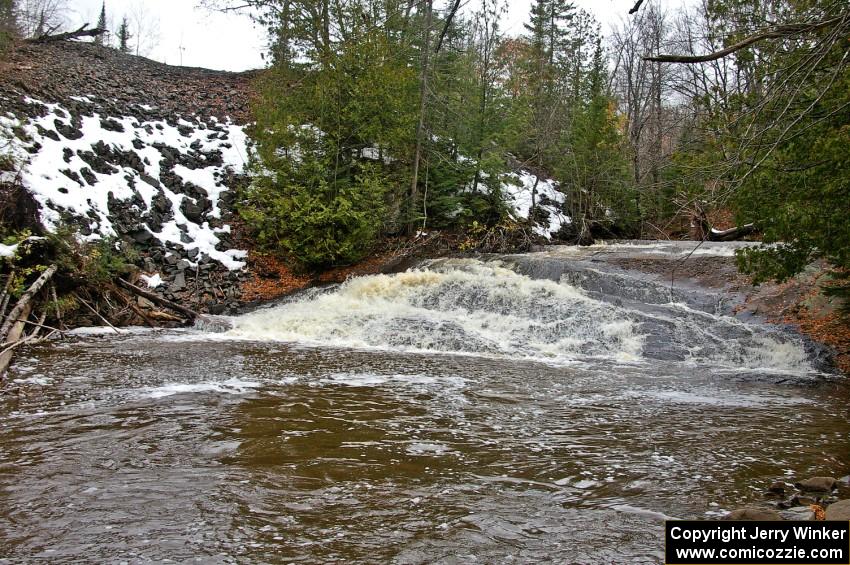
(234, 43)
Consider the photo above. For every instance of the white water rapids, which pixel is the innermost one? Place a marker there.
(476, 308)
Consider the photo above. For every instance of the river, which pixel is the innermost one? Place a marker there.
(546, 407)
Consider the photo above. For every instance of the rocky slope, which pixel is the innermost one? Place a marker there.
(122, 146)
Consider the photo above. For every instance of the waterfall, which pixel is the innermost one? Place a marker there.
(470, 307)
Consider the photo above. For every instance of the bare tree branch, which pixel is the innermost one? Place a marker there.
(777, 32)
(636, 7)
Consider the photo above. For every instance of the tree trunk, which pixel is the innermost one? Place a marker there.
(25, 300)
(420, 126)
(13, 325)
(14, 335)
(82, 32)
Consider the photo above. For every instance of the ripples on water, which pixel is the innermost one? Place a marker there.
(455, 415)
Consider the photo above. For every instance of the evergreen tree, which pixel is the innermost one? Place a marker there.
(595, 168)
(8, 27)
(124, 36)
(101, 24)
(329, 135)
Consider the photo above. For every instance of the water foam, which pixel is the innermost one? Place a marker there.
(456, 307)
(231, 386)
(476, 308)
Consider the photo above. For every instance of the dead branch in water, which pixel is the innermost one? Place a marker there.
(26, 299)
(156, 299)
(96, 313)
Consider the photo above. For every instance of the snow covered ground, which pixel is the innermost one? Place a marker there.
(153, 179)
(518, 192)
(170, 177)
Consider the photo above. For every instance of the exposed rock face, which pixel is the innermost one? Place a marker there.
(120, 146)
(56, 72)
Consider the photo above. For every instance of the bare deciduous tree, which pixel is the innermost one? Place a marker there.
(42, 17)
(144, 30)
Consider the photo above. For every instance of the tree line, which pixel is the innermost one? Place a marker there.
(382, 117)
(391, 116)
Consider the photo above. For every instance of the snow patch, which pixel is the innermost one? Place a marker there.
(8, 250)
(519, 193)
(153, 281)
(58, 193)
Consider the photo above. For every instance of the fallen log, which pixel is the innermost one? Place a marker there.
(81, 32)
(156, 299)
(731, 234)
(25, 300)
(13, 338)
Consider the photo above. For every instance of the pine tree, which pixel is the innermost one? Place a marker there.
(547, 38)
(101, 24)
(8, 29)
(124, 36)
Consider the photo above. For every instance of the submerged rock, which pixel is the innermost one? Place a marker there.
(798, 513)
(777, 488)
(213, 324)
(754, 514)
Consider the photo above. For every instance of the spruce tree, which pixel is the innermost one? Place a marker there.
(101, 24)
(7, 23)
(124, 36)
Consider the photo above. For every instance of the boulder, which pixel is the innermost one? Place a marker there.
(192, 210)
(142, 236)
(777, 488)
(839, 510)
(179, 283)
(110, 124)
(817, 484)
(754, 514)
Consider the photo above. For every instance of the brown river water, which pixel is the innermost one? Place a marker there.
(455, 414)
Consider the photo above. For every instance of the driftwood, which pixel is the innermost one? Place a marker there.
(732, 234)
(13, 325)
(82, 32)
(156, 299)
(25, 300)
(13, 337)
